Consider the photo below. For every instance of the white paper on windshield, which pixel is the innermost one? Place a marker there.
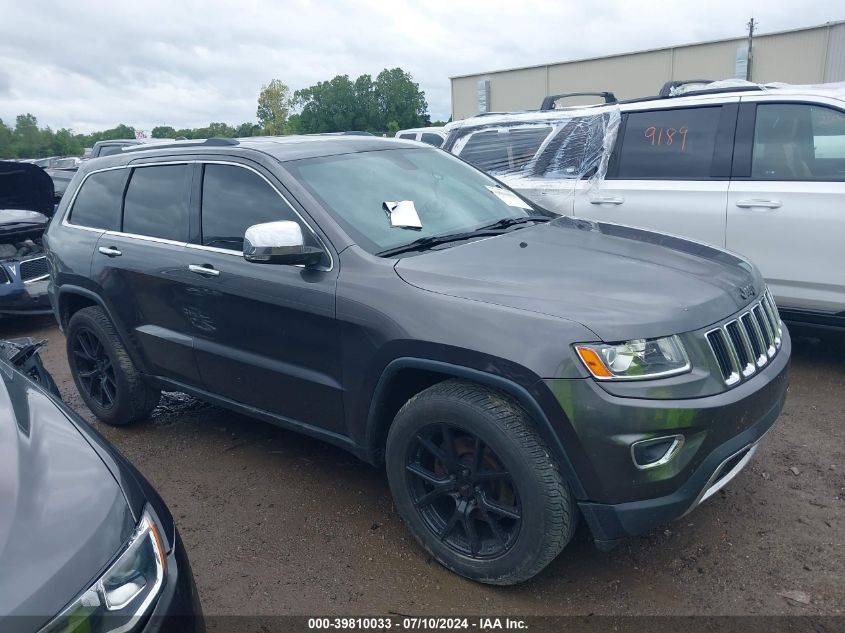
(508, 197)
(402, 214)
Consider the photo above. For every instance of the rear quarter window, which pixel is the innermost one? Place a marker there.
(432, 139)
(109, 150)
(498, 151)
(97, 205)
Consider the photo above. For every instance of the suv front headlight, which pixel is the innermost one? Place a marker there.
(635, 360)
(121, 598)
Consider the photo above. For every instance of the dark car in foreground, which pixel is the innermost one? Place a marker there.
(86, 544)
(26, 206)
(513, 370)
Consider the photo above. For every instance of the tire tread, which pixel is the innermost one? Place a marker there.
(560, 507)
(141, 398)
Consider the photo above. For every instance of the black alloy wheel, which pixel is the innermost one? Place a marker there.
(463, 492)
(94, 368)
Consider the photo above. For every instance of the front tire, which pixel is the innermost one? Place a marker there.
(476, 484)
(105, 376)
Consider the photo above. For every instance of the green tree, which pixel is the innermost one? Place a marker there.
(367, 109)
(6, 138)
(121, 131)
(274, 105)
(294, 124)
(400, 99)
(65, 143)
(393, 101)
(221, 130)
(249, 129)
(163, 131)
(28, 139)
(329, 106)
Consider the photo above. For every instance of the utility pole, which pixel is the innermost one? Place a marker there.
(751, 24)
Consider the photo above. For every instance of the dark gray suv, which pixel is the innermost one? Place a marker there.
(513, 370)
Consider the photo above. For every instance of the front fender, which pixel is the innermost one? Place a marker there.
(377, 422)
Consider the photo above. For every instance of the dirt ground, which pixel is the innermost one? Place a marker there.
(277, 523)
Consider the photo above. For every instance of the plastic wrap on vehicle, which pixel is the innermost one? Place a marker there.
(544, 155)
(741, 84)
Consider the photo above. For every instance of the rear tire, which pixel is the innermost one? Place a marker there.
(105, 376)
(460, 449)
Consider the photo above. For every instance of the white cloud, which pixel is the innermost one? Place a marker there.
(91, 65)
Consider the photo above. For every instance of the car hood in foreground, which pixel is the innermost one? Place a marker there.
(63, 516)
(620, 282)
(27, 187)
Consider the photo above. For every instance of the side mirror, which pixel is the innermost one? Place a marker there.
(279, 243)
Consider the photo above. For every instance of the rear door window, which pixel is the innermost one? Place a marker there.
(672, 144)
(157, 202)
(97, 204)
(235, 198)
(411, 136)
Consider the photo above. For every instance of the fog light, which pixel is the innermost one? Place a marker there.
(655, 451)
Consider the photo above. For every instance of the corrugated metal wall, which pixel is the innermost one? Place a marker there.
(805, 56)
(835, 62)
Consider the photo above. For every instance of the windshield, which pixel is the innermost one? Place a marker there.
(449, 196)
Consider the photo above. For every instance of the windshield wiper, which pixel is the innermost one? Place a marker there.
(435, 240)
(496, 228)
(508, 222)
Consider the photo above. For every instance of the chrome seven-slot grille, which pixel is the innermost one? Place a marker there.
(748, 342)
(34, 269)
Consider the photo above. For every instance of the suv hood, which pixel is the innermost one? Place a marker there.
(620, 282)
(63, 516)
(25, 187)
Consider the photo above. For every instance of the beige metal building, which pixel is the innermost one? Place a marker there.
(801, 56)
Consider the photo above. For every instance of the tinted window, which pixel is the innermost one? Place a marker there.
(798, 142)
(108, 150)
(432, 139)
(98, 202)
(233, 199)
(412, 136)
(669, 143)
(157, 202)
(506, 150)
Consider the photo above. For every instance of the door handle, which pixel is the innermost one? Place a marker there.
(759, 203)
(109, 251)
(606, 200)
(206, 271)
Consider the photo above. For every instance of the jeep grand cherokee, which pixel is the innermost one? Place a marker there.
(513, 370)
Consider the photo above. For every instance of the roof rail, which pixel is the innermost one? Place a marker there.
(549, 102)
(214, 141)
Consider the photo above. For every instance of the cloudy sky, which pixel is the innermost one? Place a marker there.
(91, 64)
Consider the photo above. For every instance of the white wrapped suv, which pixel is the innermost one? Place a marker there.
(759, 170)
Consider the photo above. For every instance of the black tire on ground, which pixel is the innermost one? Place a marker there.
(515, 511)
(131, 398)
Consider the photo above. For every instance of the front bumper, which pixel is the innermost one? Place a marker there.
(17, 298)
(721, 434)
